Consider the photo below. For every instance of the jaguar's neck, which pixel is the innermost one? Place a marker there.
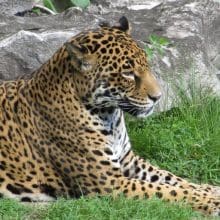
(51, 94)
(50, 80)
(116, 132)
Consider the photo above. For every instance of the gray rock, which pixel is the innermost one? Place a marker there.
(192, 27)
(26, 60)
(11, 7)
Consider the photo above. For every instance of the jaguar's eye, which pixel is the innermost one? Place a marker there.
(129, 75)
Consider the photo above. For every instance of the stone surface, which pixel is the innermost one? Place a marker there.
(192, 27)
(11, 7)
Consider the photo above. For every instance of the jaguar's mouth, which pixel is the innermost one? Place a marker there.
(137, 111)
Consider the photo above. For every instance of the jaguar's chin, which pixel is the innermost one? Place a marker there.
(136, 111)
(145, 112)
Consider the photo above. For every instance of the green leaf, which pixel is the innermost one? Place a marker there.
(158, 45)
(160, 50)
(36, 11)
(163, 41)
(149, 53)
(80, 3)
(154, 39)
(49, 4)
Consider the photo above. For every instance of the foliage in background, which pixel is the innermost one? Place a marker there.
(156, 45)
(59, 6)
(49, 4)
(80, 3)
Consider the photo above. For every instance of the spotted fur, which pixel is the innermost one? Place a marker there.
(62, 129)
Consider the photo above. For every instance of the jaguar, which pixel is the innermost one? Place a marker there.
(63, 133)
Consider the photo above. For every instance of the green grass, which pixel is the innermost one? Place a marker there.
(184, 140)
(10, 209)
(99, 209)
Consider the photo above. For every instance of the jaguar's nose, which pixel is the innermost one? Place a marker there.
(155, 98)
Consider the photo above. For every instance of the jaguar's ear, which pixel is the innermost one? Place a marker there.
(124, 25)
(80, 57)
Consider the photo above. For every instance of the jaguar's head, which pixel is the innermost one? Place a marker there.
(111, 70)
